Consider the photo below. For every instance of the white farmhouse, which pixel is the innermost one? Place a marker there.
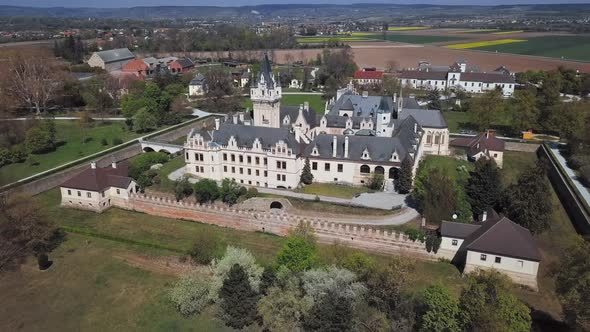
(111, 60)
(496, 243)
(485, 145)
(197, 86)
(357, 136)
(458, 76)
(96, 189)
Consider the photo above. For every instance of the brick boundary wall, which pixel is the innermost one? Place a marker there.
(356, 236)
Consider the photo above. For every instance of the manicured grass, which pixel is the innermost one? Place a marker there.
(486, 43)
(71, 147)
(462, 120)
(567, 47)
(167, 185)
(328, 189)
(454, 168)
(315, 102)
(325, 207)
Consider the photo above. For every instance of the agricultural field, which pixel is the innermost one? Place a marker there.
(73, 142)
(409, 38)
(484, 43)
(563, 47)
(405, 28)
(507, 32)
(478, 31)
(327, 39)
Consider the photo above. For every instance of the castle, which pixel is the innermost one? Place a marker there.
(357, 135)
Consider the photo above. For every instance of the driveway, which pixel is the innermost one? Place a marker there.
(380, 200)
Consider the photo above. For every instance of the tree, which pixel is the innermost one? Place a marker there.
(207, 246)
(385, 285)
(182, 188)
(33, 78)
(190, 294)
(434, 99)
(485, 108)
(487, 304)
(484, 186)
(206, 190)
(282, 309)
(524, 110)
(527, 202)
(222, 266)
(298, 254)
(334, 312)
(439, 310)
(238, 299)
(38, 140)
(24, 231)
(404, 183)
(219, 92)
(144, 121)
(84, 123)
(306, 176)
(436, 196)
(573, 285)
(229, 191)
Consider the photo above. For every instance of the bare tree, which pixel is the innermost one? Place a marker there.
(32, 79)
(391, 66)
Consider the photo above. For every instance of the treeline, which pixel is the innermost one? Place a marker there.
(217, 38)
(337, 289)
(71, 49)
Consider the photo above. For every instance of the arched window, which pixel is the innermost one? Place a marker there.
(429, 139)
(379, 170)
(365, 169)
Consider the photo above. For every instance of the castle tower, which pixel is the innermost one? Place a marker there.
(265, 94)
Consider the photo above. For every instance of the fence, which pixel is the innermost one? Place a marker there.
(357, 236)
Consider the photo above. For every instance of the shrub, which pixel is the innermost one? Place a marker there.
(144, 161)
(584, 172)
(578, 160)
(206, 190)
(252, 192)
(103, 141)
(432, 242)
(190, 294)
(117, 141)
(206, 247)
(182, 188)
(415, 234)
(231, 257)
(376, 181)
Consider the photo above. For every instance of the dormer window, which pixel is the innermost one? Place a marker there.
(365, 155)
(315, 151)
(394, 156)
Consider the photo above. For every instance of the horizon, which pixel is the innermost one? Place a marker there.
(114, 4)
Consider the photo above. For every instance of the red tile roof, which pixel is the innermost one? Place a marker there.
(135, 66)
(99, 179)
(368, 75)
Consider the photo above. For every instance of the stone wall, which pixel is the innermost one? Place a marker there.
(183, 131)
(361, 237)
(521, 147)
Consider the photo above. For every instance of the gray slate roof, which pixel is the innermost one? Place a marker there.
(198, 80)
(119, 54)
(266, 72)
(426, 118)
(380, 148)
(245, 135)
(293, 112)
(457, 230)
(362, 106)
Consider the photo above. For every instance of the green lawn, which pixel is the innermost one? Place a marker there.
(71, 147)
(462, 120)
(315, 102)
(167, 185)
(448, 165)
(567, 47)
(328, 189)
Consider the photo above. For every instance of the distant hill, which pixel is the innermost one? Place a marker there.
(291, 10)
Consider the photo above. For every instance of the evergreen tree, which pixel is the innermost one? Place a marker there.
(334, 312)
(484, 186)
(306, 176)
(404, 183)
(526, 202)
(238, 299)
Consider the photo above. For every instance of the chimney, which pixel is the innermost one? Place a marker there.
(217, 123)
(484, 216)
(241, 116)
(345, 146)
(334, 146)
(306, 105)
(490, 133)
(365, 94)
(326, 109)
(93, 165)
(297, 134)
(235, 119)
(415, 127)
(394, 98)
(114, 164)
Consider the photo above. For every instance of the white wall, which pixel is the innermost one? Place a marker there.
(447, 243)
(509, 264)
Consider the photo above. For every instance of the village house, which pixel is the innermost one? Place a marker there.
(368, 76)
(96, 189)
(363, 136)
(197, 86)
(111, 60)
(180, 66)
(484, 145)
(495, 243)
(458, 76)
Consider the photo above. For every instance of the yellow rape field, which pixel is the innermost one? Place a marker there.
(484, 43)
(506, 32)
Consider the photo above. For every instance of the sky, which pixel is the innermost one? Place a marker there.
(133, 3)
